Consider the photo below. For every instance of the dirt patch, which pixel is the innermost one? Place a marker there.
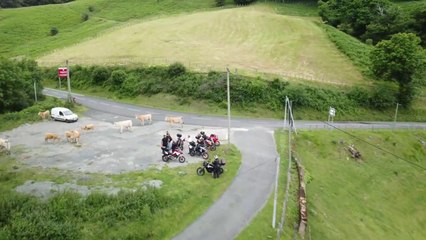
(103, 150)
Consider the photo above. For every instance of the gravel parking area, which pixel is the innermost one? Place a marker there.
(103, 150)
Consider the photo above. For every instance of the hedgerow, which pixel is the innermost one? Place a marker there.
(246, 91)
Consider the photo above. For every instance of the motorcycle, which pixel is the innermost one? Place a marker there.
(198, 150)
(209, 167)
(176, 154)
(210, 145)
(214, 138)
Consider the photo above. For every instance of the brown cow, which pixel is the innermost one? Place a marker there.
(51, 136)
(88, 127)
(174, 120)
(72, 136)
(44, 115)
(144, 117)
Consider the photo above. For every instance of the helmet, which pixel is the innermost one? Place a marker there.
(202, 133)
(216, 156)
(197, 137)
(179, 135)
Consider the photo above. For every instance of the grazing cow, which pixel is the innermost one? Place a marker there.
(174, 120)
(51, 136)
(88, 127)
(72, 136)
(127, 124)
(44, 115)
(5, 144)
(144, 117)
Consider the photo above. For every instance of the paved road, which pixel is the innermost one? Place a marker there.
(254, 182)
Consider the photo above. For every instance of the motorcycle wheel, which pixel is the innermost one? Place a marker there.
(200, 171)
(213, 147)
(205, 155)
(220, 171)
(181, 159)
(181, 147)
(165, 158)
(192, 153)
(217, 143)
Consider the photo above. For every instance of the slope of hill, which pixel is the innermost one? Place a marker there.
(250, 39)
(25, 31)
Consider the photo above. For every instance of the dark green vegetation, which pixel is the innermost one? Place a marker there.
(143, 214)
(375, 20)
(28, 3)
(402, 60)
(247, 92)
(378, 197)
(17, 79)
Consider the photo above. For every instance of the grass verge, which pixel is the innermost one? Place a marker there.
(143, 214)
(261, 226)
(379, 197)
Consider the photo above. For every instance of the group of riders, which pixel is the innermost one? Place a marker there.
(198, 146)
(201, 140)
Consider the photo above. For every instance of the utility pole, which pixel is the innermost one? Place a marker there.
(229, 106)
(35, 91)
(396, 113)
(68, 82)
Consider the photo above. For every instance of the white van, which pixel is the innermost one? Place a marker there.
(63, 114)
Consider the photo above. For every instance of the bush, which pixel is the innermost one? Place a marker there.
(243, 2)
(220, 3)
(116, 79)
(85, 17)
(383, 96)
(53, 31)
(176, 69)
(100, 75)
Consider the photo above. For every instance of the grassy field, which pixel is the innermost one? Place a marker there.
(241, 38)
(158, 214)
(25, 31)
(379, 197)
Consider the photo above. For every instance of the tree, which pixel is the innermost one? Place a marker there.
(16, 84)
(399, 59)
(353, 16)
(243, 2)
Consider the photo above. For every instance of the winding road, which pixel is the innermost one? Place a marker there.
(254, 182)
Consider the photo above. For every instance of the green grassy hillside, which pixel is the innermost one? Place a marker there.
(380, 197)
(250, 39)
(25, 31)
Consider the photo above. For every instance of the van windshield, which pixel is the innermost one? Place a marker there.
(67, 113)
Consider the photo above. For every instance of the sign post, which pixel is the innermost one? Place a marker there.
(62, 73)
(331, 114)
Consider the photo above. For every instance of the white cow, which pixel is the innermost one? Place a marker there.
(5, 145)
(126, 124)
(174, 120)
(144, 117)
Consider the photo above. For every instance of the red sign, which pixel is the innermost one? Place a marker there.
(62, 72)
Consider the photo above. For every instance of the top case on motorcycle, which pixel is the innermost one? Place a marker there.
(192, 143)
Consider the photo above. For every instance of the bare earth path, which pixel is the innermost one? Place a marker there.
(254, 182)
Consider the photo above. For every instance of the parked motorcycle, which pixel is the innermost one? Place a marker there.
(210, 167)
(214, 138)
(176, 154)
(198, 150)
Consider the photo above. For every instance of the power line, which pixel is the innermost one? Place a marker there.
(377, 147)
